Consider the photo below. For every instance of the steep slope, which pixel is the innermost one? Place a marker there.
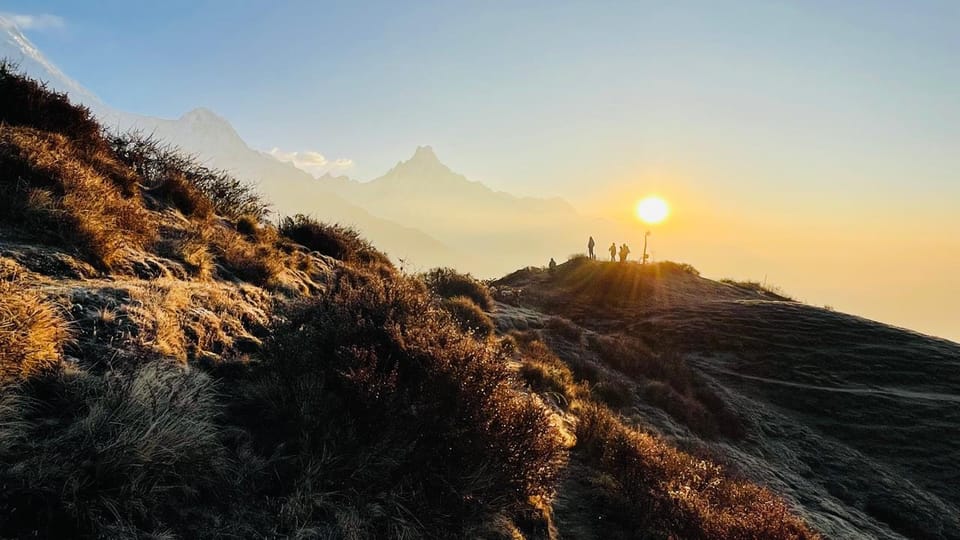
(848, 417)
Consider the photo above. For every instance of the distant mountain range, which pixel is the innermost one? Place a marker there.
(420, 211)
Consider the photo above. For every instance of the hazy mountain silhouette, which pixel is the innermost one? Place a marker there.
(420, 210)
(214, 140)
(424, 193)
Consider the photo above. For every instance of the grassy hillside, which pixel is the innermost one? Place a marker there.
(842, 415)
(174, 365)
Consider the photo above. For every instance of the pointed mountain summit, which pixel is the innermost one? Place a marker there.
(423, 169)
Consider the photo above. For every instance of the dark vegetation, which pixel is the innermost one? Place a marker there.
(448, 283)
(680, 494)
(410, 411)
(336, 241)
(376, 405)
(772, 291)
(468, 315)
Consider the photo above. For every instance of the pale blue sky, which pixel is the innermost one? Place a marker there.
(538, 96)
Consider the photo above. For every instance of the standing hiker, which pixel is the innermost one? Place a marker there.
(590, 244)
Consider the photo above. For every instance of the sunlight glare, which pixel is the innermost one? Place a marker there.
(652, 210)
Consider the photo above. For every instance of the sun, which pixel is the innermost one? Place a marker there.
(652, 210)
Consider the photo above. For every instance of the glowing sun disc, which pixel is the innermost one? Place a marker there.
(653, 210)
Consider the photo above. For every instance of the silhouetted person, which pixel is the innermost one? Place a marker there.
(590, 244)
(553, 264)
(613, 252)
(624, 251)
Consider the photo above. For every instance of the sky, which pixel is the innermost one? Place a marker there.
(813, 143)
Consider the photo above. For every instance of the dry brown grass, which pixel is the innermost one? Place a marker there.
(48, 185)
(252, 261)
(337, 241)
(676, 494)
(32, 332)
(468, 315)
(188, 321)
(448, 283)
(565, 328)
(545, 373)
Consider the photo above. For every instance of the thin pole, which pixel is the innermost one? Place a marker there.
(644, 259)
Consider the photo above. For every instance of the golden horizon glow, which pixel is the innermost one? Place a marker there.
(652, 210)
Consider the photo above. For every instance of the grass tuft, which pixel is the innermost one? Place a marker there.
(448, 283)
(337, 241)
(32, 333)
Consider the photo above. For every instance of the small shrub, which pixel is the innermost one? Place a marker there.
(614, 393)
(547, 378)
(565, 328)
(29, 103)
(178, 178)
(192, 247)
(678, 268)
(468, 315)
(254, 263)
(248, 226)
(448, 283)
(670, 384)
(337, 241)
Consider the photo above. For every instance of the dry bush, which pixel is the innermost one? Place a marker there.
(549, 379)
(613, 393)
(28, 102)
(468, 315)
(178, 178)
(545, 373)
(677, 268)
(46, 184)
(256, 263)
(390, 418)
(337, 241)
(32, 332)
(248, 225)
(565, 328)
(678, 495)
(448, 283)
(192, 247)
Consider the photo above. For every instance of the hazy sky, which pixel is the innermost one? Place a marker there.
(814, 142)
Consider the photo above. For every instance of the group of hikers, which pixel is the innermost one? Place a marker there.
(623, 251)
